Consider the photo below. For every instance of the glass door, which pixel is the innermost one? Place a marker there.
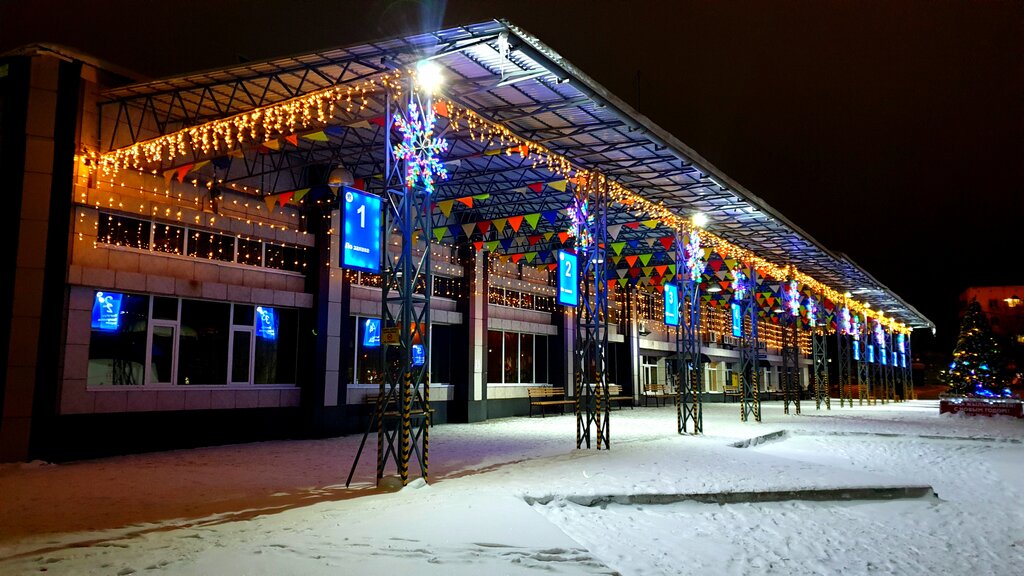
(162, 352)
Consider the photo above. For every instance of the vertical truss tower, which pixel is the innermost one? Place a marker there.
(689, 368)
(591, 342)
(751, 402)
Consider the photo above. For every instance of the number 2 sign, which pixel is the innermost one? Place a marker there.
(568, 279)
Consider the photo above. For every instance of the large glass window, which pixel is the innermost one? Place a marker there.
(369, 366)
(117, 343)
(212, 246)
(277, 340)
(169, 239)
(494, 357)
(526, 358)
(250, 252)
(511, 357)
(291, 258)
(123, 231)
(203, 347)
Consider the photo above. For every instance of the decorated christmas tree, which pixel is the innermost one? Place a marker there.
(973, 370)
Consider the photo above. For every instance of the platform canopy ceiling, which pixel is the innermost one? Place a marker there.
(510, 79)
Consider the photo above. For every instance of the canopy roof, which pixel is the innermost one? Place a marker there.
(528, 89)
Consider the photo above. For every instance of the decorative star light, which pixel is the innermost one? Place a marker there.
(879, 335)
(844, 320)
(792, 298)
(694, 257)
(739, 284)
(419, 148)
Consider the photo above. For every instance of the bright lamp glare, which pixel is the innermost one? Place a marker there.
(700, 219)
(428, 75)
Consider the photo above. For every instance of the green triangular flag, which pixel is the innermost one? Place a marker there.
(645, 259)
(618, 246)
(439, 232)
(532, 220)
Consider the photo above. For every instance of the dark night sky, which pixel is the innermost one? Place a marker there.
(892, 131)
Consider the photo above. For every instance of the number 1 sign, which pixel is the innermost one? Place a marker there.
(568, 279)
(360, 236)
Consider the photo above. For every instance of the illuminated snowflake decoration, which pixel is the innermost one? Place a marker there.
(581, 222)
(739, 284)
(419, 148)
(694, 257)
(879, 335)
(812, 311)
(844, 321)
(792, 298)
(856, 328)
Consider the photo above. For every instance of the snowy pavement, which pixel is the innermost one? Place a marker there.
(513, 496)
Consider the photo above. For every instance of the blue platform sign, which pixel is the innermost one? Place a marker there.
(871, 353)
(901, 343)
(419, 356)
(883, 357)
(856, 350)
(568, 279)
(360, 231)
(671, 305)
(737, 321)
(371, 333)
(106, 311)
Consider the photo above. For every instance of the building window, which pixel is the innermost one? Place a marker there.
(123, 231)
(168, 239)
(117, 342)
(250, 252)
(369, 365)
(291, 258)
(211, 246)
(516, 358)
(137, 340)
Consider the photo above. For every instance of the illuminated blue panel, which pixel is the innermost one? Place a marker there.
(871, 352)
(106, 311)
(737, 321)
(418, 355)
(903, 360)
(371, 332)
(883, 356)
(671, 305)
(856, 350)
(266, 323)
(360, 231)
(568, 279)
(900, 343)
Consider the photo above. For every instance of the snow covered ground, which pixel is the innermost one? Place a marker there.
(513, 496)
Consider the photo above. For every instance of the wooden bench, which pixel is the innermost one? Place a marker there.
(543, 396)
(658, 392)
(615, 395)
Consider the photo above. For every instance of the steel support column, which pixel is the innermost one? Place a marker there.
(909, 370)
(845, 374)
(689, 367)
(819, 357)
(860, 343)
(591, 341)
(790, 363)
(751, 402)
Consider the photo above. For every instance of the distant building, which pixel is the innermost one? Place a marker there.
(1003, 306)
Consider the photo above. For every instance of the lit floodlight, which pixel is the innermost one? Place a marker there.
(428, 76)
(700, 219)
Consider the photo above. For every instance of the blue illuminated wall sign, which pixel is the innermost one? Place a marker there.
(737, 321)
(418, 355)
(856, 350)
(371, 332)
(903, 360)
(266, 323)
(360, 231)
(883, 356)
(871, 352)
(900, 343)
(671, 305)
(568, 279)
(106, 311)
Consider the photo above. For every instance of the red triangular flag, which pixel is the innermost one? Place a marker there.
(536, 187)
(631, 260)
(183, 171)
(667, 242)
(359, 184)
(484, 226)
(478, 245)
(516, 258)
(441, 108)
(378, 120)
(534, 239)
(515, 222)
(468, 201)
(563, 236)
(286, 197)
(292, 139)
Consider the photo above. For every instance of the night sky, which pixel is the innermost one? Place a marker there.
(892, 131)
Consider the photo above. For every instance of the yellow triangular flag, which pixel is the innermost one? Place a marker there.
(320, 136)
(558, 185)
(446, 207)
(270, 200)
(499, 224)
(299, 194)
